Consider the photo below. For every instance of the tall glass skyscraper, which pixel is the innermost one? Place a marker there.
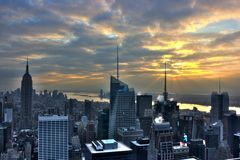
(26, 100)
(53, 137)
(122, 113)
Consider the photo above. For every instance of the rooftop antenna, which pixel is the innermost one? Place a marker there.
(27, 70)
(117, 64)
(219, 85)
(165, 84)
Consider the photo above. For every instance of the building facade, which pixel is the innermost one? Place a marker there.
(53, 137)
(161, 141)
(122, 113)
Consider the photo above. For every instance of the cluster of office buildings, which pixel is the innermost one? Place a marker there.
(131, 128)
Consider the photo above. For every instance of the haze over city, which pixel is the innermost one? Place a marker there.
(72, 45)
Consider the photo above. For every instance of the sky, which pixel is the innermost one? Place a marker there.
(72, 44)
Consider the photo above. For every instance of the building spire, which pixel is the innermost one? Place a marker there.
(27, 68)
(117, 64)
(165, 94)
(219, 85)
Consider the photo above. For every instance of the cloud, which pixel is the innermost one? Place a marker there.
(72, 44)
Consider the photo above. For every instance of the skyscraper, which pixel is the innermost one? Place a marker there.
(1, 113)
(102, 129)
(161, 141)
(53, 137)
(219, 105)
(115, 85)
(169, 110)
(26, 100)
(144, 102)
(145, 112)
(89, 111)
(122, 113)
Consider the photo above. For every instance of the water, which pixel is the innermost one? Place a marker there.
(81, 96)
(203, 108)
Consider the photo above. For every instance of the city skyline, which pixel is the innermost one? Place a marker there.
(72, 45)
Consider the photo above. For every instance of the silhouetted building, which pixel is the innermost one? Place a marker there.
(236, 144)
(69, 112)
(26, 100)
(1, 112)
(230, 126)
(169, 110)
(213, 137)
(107, 149)
(91, 133)
(140, 148)
(53, 137)
(219, 105)
(126, 135)
(122, 113)
(197, 148)
(161, 141)
(144, 102)
(3, 139)
(103, 120)
(89, 111)
(145, 123)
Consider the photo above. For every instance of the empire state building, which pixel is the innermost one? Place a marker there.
(26, 100)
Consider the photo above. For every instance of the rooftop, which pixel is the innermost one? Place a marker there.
(121, 148)
(52, 118)
(180, 147)
(139, 144)
(108, 141)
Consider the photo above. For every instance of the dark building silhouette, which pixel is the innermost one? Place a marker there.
(103, 118)
(90, 131)
(145, 112)
(219, 105)
(197, 148)
(1, 112)
(230, 126)
(26, 100)
(139, 148)
(89, 112)
(236, 143)
(145, 123)
(3, 138)
(144, 102)
(169, 110)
